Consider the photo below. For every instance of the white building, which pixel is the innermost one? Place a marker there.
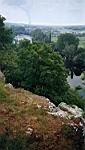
(22, 37)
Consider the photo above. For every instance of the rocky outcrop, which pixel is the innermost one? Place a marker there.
(64, 110)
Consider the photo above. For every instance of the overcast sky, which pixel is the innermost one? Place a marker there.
(48, 12)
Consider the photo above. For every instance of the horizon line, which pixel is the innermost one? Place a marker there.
(33, 24)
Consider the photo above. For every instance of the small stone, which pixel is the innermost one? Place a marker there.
(29, 131)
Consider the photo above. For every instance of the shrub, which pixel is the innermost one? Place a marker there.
(78, 87)
(7, 142)
(84, 114)
(73, 98)
(68, 131)
(3, 93)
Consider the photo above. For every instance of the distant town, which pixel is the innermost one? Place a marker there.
(24, 31)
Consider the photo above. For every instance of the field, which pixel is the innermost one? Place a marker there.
(82, 42)
(54, 39)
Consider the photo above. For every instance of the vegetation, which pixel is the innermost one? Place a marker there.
(3, 94)
(7, 143)
(38, 68)
(78, 87)
(39, 36)
(74, 57)
(5, 34)
(82, 41)
(17, 118)
(33, 68)
(73, 98)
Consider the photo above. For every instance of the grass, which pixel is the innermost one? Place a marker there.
(3, 93)
(5, 96)
(21, 106)
(32, 110)
(19, 111)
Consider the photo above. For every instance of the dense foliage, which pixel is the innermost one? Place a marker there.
(38, 69)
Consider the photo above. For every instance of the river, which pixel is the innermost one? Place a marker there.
(76, 81)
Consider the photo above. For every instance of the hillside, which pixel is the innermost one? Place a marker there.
(26, 115)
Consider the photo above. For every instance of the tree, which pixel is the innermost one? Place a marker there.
(24, 43)
(40, 37)
(67, 46)
(11, 68)
(66, 39)
(79, 63)
(5, 34)
(42, 71)
(5, 40)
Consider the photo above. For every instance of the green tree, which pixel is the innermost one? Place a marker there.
(79, 63)
(11, 68)
(5, 41)
(42, 71)
(40, 37)
(67, 46)
(66, 39)
(5, 34)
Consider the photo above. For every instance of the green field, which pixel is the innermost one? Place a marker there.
(54, 39)
(82, 42)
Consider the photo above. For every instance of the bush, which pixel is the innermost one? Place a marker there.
(7, 142)
(78, 87)
(75, 133)
(68, 131)
(3, 94)
(73, 98)
(84, 114)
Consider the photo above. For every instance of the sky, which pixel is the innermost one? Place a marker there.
(44, 12)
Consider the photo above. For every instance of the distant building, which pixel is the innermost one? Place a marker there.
(20, 37)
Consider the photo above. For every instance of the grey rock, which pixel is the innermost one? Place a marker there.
(64, 110)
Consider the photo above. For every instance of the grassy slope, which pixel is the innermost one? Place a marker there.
(18, 112)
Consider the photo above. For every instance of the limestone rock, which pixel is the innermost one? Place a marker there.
(64, 110)
(10, 86)
(71, 110)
